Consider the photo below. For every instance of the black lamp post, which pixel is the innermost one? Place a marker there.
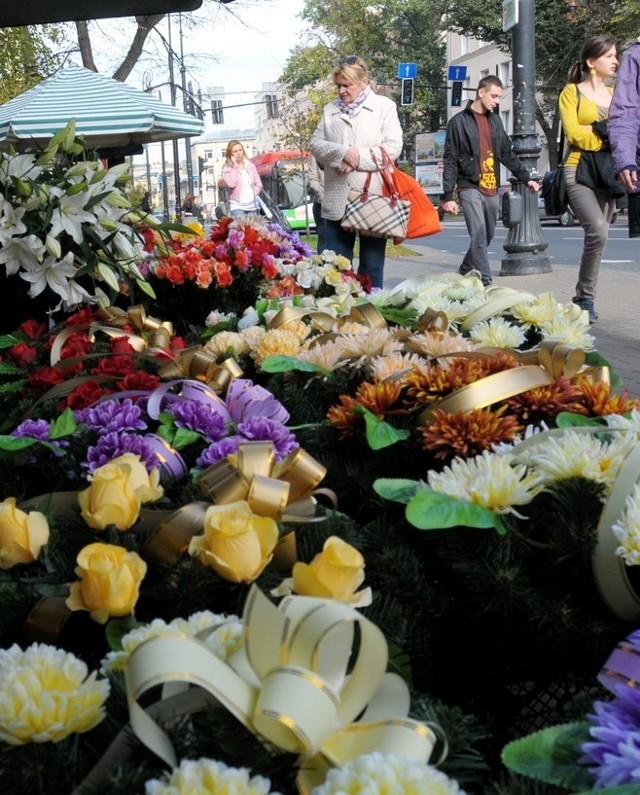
(525, 245)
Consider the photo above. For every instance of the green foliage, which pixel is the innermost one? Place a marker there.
(380, 434)
(26, 58)
(551, 755)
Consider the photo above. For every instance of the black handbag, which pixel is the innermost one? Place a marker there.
(554, 189)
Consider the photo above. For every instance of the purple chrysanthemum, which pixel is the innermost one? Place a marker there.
(39, 429)
(218, 451)
(616, 731)
(112, 445)
(110, 416)
(235, 238)
(261, 429)
(200, 417)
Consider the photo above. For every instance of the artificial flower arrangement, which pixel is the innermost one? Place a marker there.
(67, 231)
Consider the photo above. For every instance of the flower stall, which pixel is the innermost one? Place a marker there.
(264, 530)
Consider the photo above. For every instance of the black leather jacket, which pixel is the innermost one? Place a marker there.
(462, 152)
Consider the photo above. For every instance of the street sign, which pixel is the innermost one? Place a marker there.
(407, 70)
(509, 14)
(457, 72)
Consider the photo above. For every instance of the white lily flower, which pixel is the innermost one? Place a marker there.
(70, 214)
(59, 276)
(23, 166)
(11, 223)
(21, 252)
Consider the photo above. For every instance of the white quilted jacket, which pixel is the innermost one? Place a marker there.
(376, 125)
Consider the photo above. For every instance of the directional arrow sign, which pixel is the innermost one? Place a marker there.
(457, 72)
(407, 70)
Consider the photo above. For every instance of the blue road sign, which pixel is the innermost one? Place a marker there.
(407, 70)
(457, 72)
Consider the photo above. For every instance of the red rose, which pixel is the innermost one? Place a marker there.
(114, 365)
(32, 329)
(45, 377)
(139, 379)
(76, 345)
(120, 345)
(178, 343)
(23, 355)
(85, 395)
(86, 315)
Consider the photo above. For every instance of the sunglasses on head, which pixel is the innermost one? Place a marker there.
(348, 60)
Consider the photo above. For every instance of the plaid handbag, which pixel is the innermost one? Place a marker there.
(376, 215)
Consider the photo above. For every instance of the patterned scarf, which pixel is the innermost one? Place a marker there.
(353, 108)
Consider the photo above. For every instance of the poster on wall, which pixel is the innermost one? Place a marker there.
(429, 175)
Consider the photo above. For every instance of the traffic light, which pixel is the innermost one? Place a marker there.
(407, 91)
(217, 113)
(271, 101)
(200, 165)
(456, 94)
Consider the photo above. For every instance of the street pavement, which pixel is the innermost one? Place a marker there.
(617, 330)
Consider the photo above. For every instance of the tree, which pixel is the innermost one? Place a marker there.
(385, 34)
(561, 28)
(26, 58)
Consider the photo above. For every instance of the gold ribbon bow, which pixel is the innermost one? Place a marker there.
(365, 314)
(158, 333)
(198, 364)
(433, 321)
(299, 683)
(251, 475)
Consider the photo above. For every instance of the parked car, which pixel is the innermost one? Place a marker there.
(566, 219)
(298, 217)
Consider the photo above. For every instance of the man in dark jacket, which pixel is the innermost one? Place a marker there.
(475, 143)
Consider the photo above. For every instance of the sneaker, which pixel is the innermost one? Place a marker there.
(586, 303)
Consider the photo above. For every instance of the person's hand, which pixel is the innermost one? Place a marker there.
(533, 186)
(629, 179)
(352, 157)
(450, 207)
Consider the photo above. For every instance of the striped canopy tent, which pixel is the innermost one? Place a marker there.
(110, 114)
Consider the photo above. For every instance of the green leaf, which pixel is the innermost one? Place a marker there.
(430, 510)
(399, 663)
(379, 433)
(396, 489)
(551, 755)
(594, 359)
(15, 444)
(65, 425)
(8, 340)
(12, 386)
(623, 789)
(398, 317)
(284, 364)
(6, 368)
(146, 288)
(117, 628)
(565, 419)
(184, 437)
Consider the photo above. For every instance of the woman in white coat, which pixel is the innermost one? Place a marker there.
(349, 136)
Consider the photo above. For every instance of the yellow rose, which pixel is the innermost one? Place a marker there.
(237, 543)
(110, 578)
(22, 535)
(116, 492)
(336, 573)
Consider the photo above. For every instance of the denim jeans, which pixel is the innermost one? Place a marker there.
(320, 223)
(593, 208)
(372, 250)
(481, 216)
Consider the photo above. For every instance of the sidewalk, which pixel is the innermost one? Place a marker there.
(617, 330)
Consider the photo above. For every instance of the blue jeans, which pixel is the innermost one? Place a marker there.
(372, 250)
(481, 216)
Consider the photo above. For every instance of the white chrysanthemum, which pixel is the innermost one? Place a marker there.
(383, 367)
(433, 345)
(569, 332)
(276, 342)
(498, 333)
(253, 335)
(627, 529)
(328, 356)
(494, 481)
(386, 297)
(578, 455)
(222, 634)
(46, 694)
(466, 289)
(216, 317)
(386, 774)
(509, 448)
(208, 777)
(226, 343)
(623, 423)
(371, 342)
(542, 310)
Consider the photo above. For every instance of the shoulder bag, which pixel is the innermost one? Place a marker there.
(377, 215)
(423, 216)
(554, 189)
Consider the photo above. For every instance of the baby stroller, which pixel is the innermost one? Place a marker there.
(272, 212)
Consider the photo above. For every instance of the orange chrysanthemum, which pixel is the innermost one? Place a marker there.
(344, 418)
(468, 433)
(598, 400)
(378, 398)
(546, 402)
(426, 384)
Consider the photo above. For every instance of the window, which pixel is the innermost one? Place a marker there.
(505, 73)
(484, 73)
(208, 154)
